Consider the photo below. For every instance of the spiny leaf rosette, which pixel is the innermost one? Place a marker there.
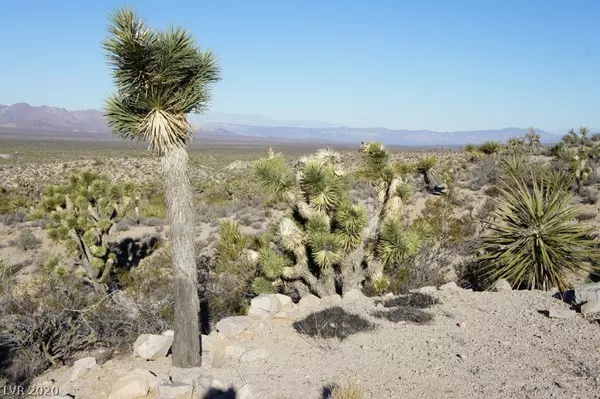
(326, 240)
(535, 241)
(83, 213)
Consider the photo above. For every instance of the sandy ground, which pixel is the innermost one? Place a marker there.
(479, 345)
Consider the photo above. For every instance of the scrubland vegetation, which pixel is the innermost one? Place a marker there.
(86, 261)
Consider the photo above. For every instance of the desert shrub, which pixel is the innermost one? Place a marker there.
(589, 195)
(13, 201)
(49, 320)
(27, 240)
(486, 209)
(486, 172)
(332, 322)
(491, 147)
(533, 241)
(445, 227)
(426, 269)
(343, 391)
(11, 219)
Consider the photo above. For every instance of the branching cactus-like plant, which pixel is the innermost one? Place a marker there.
(83, 212)
(325, 240)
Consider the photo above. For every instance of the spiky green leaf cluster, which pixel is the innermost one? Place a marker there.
(275, 175)
(398, 243)
(230, 246)
(160, 76)
(490, 147)
(535, 242)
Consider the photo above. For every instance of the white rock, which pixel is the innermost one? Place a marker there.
(284, 300)
(451, 286)
(235, 350)
(258, 313)
(270, 303)
(175, 391)
(169, 333)
(332, 300)
(245, 392)
(424, 290)
(502, 285)
(587, 293)
(289, 308)
(80, 367)
(389, 295)
(219, 385)
(135, 384)
(254, 355)
(234, 326)
(309, 302)
(152, 346)
(590, 307)
(556, 313)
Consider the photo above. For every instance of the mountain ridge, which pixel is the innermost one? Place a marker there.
(91, 124)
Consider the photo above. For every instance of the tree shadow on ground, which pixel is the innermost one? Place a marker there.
(214, 393)
(332, 322)
(407, 308)
(130, 252)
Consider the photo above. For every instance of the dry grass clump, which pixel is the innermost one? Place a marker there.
(353, 390)
(27, 240)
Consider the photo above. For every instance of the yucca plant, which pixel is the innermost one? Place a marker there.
(534, 241)
(426, 168)
(490, 147)
(161, 77)
(532, 139)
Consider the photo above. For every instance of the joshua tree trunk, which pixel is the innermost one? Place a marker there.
(180, 211)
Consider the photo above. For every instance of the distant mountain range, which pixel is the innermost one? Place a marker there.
(25, 121)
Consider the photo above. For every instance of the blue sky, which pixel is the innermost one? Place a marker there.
(428, 64)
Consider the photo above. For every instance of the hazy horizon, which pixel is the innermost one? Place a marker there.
(437, 65)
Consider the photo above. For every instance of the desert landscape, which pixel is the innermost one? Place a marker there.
(152, 247)
(409, 313)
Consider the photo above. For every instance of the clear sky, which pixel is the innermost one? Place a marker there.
(419, 64)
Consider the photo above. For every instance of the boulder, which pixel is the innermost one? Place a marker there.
(175, 391)
(152, 346)
(284, 300)
(135, 384)
(258, 313)
(169, 333)
(309, 302)
(501, 285)
(233, 326)
(269, 303)
(587, 293)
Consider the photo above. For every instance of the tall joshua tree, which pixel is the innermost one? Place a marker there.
(161, 77)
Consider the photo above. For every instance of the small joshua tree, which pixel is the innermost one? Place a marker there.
(325, 239)
(426, 168)
(83, 213)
